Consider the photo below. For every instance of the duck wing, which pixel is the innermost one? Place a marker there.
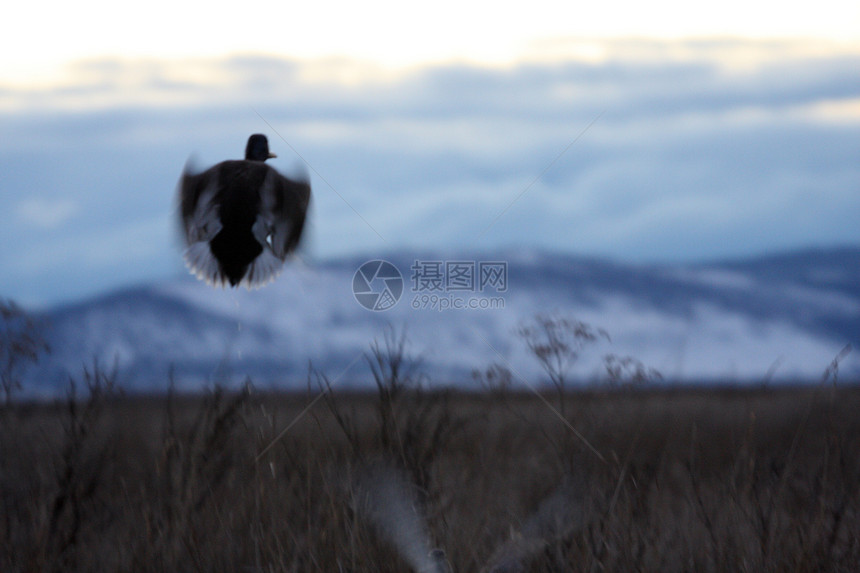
(197, 208)
(279, 225)
(200, 220)
(283, 208)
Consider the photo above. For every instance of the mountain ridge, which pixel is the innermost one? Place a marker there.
(784, 315)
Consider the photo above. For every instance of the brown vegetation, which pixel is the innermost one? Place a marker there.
(630, 477)
(689, 480)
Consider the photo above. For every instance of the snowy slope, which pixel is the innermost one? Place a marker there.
(784, 317)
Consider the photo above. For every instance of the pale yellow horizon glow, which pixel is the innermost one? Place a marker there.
(39, 40)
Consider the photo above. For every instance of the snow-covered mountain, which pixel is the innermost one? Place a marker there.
(780, 317)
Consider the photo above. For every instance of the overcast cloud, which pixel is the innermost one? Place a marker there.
(695, 150)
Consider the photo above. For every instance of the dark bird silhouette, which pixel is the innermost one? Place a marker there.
(241, 218)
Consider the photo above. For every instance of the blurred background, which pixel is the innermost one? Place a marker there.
(644, 133)
(681, 177)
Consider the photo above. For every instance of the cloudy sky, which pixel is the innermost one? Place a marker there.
(645, 132)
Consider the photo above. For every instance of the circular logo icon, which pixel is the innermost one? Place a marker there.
(377, 285)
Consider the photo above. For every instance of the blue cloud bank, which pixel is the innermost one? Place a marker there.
(654, 152)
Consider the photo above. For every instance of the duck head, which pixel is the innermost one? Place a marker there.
(258, 148)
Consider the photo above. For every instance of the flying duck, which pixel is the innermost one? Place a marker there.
(241, 218)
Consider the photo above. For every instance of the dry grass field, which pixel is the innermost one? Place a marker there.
(406, 479)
